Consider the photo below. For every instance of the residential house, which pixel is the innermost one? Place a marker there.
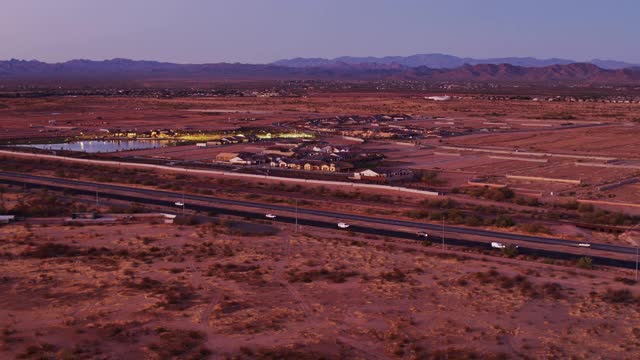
(226, 156)
(384, 174)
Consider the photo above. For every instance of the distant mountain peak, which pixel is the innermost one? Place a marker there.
(444, 61)
(124, 70)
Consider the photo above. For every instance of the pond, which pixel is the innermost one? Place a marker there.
(101, 146)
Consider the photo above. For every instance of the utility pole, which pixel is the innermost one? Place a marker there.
(637, 257)
(443, 231)
(637, 242)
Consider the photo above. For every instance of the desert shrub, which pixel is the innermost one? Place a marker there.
(495, 194)
(186, 220)
(41, 204)
(571, 205)
(396, 275)
(504, 221)
(585, 262)
(553, 290)
(535, 229)
(585, 208)
(510, 251)
(180, 344)
(145, 284)
(281, 353)
(40, 351)
(462, 354)
(430, 177)
(177, 297)
(440, 203)
(417, 214)
(51, 250)
(621, 296)
(625, 281)
(473, 220)
(335, 276)
(134, 209)
(519, 282)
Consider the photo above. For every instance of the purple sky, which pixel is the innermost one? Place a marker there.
(256, 31)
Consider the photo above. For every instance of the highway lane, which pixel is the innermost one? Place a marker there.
(333, 214)
(354, 228)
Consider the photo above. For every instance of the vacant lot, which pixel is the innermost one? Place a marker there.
(162, 291)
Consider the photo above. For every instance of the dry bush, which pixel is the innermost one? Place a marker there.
(519, 282)
(335, 276)
(180, 344)
(626, 281)
(281, 353)
(40, 351)
(462, 354)
(553, 290)
(620, 296)
(51, 250)
(178, 296)
(396, 275)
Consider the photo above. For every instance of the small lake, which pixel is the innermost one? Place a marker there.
(101, 146)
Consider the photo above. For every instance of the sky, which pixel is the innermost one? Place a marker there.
(260, 31)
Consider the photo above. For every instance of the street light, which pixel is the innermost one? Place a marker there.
(296, 215)
(637, 248)
(181, 203)
(442, 216)
(637, 257)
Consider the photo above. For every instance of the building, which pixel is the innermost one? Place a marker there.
(438, 98)
(226, 156)
(384, 174)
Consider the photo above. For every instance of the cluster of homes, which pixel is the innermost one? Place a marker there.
(134, 133)
(228, 140)
(370, 127)
(312, 157)
(317, 157)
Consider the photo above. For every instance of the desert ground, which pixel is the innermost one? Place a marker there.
(213, 290)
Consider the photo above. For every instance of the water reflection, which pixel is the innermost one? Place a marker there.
(101, 146)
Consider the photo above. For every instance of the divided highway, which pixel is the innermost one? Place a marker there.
(217, 204)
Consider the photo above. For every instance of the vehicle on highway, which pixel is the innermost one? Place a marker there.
(422, 234)
(270, 216)
(498, 245)
(343, 225)
(178, 203)
(584, 245)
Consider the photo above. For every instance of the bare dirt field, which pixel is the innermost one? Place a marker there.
(53, 116)
(158, 291)
(619, 140)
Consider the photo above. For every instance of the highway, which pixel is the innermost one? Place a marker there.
(217, 204)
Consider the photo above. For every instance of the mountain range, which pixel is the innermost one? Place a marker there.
(443, 61)
(123, 70)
